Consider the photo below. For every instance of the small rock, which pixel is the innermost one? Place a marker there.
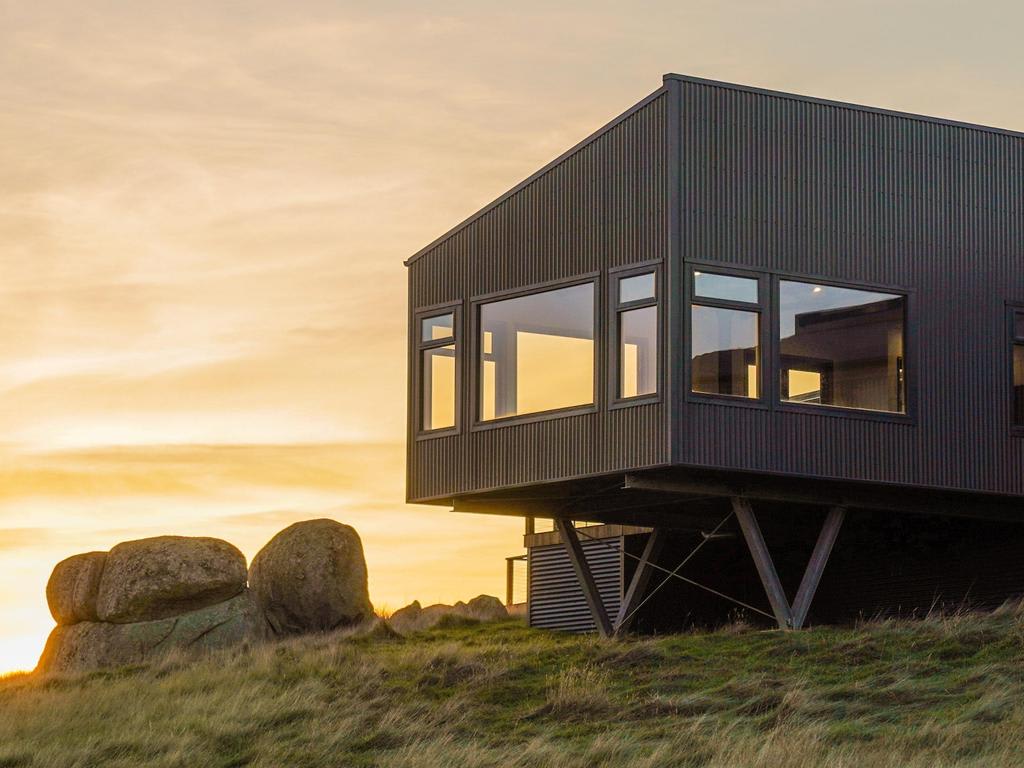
(156, 578)
(414, 618)
(89, 645)
(486, 608)
(73, 587)
(311, 577)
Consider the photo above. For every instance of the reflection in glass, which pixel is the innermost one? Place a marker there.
(708, 285)
(439, 327)
(724, 352)
(438, 372)
(638, 352)
(840, 346)
(537, 352)
(1018, 385)
(636, 288)
(1018, 325)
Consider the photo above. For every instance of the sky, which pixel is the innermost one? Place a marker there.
(205, 206)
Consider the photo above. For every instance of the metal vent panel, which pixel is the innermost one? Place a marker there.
(556, 598)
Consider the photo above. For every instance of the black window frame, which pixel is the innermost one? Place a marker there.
(907, 415)
(475, 379)
(616, 308)
(1015, 340)
(426, 313)
(762, 307)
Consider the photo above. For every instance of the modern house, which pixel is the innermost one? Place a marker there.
(745, 335)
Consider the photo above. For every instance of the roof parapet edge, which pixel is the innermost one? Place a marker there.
(537, 174)
(842, 104)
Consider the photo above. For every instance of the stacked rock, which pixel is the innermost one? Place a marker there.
(148, 597)
(145, 598)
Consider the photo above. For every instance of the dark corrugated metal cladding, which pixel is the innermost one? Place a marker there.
(602, 206)
(556, 598)
(792, 186)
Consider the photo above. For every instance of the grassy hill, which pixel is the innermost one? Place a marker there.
(944, 691)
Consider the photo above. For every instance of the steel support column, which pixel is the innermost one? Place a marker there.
(788, 617)
(579, 564)
(816, 566)
(763, 561)
(638, 584)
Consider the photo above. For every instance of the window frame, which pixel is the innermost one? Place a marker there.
(762, 308)
(615, 310)
(476, 302)
(1014, 340)
(768, 294)
(425, 313)
(907, 416)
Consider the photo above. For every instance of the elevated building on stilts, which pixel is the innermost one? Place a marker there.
(738, 353)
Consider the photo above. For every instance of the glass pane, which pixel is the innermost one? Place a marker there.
(1018, 385)
(725, 356)
(636, 287)
(840, 346)
(537, 352)
(711, 286)
(438, 383)
(440, 327)
(1018, 325)
(638, 352)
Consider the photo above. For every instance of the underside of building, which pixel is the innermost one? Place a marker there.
(769, 347)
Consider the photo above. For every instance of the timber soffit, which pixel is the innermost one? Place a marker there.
(713, 84)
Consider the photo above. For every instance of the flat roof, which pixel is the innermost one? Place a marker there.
(715, 84)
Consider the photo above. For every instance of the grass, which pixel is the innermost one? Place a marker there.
(945, 691)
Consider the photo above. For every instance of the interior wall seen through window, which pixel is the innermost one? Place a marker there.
(638, 352)
(537, 352)
(438, 377)
(1018, 384)
(724, 352)
(841, 346)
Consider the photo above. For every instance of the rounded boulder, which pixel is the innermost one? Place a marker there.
(90, 645)
(166, 576)
(74, 586)
(311, 577)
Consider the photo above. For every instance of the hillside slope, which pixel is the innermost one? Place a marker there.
(940, 692)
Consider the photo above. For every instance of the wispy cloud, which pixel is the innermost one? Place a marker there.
(204, 208)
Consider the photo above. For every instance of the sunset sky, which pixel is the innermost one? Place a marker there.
(204, 208)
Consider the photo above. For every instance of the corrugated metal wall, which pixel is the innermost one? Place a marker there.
(798, 186)
(603, 205)
(712, 173)
(555, 597)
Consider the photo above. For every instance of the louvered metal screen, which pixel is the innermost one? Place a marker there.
(556, 598)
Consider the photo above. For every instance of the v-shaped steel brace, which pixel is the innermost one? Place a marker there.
(586, 579)
(788, 616)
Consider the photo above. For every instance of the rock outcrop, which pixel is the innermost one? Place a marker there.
(145, 598)
(166, 576)
(91, 644)
(148, 597)
(311, 577)
(414, 618)
(73, 587)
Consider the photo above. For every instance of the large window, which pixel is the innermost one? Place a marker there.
(536, 353)
(636, 321)
(1018, 368)
(725, 323)
(438, 369)
(841, 347)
